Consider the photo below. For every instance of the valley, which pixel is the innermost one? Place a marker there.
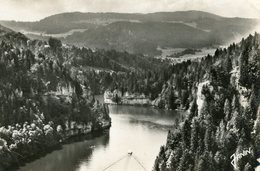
(199, 97)
(138, 33)
(168, 54)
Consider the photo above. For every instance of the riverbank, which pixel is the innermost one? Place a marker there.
(118, 97)
(146, 102)
(131, 125)
(129, 103)
(11, 160)
(125, 98)
(20, 144)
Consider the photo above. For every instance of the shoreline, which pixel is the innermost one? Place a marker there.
(145, 105)
(80, 136)
(16, 162)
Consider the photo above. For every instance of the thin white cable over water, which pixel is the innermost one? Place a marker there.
(117, 161)
(136, 159)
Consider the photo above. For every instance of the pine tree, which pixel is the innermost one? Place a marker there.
(194, 135)
(228, 64)
(235, 104)
(227, 110)
(256, 129)
(208, 140)
(194, 109)
(186, 134)
(55, 44)
(248, 167)
(204, 163)
(243, 65)
(171, 100)
(220, 159)
(185, 162)
(220, 134)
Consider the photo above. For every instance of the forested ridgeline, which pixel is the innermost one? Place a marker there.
(42, 101)
(47, 89)
(224, 115)
(103, 69)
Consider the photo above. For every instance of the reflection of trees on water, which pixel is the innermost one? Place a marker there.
(150, 117)
(70, 156)
(106, 139)
(151, 124)
(141, 110)
(102, 139)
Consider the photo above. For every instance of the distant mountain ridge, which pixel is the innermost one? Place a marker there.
(158, 16)
(136, 32)
(77, 18)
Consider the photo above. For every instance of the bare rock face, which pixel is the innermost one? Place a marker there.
(43, 102)
(225, 121)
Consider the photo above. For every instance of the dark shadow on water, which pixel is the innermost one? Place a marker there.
(68, 156)
(141, 110)
(151, 125)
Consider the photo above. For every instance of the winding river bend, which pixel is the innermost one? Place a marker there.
(139, 129)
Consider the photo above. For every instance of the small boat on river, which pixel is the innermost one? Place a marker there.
(130, 153)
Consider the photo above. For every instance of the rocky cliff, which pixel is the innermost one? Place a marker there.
(221, 131)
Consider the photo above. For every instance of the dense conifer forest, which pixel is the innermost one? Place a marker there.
(48, 91)
(224, 113)
(47, 95)
(42, 101)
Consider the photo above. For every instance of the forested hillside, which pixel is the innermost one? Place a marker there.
(138, 33)
(224, 115)
(42, 101)
(47, 95)
(47, 90)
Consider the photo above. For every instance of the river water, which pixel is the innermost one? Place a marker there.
(141, 130)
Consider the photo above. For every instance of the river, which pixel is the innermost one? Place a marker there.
(139, 129)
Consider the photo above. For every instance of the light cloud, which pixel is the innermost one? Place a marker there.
(28, 10)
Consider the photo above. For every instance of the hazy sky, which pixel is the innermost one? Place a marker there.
(28, 10)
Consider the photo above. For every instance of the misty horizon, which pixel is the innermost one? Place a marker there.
(131, 85)
(28, 10)
(140, 13)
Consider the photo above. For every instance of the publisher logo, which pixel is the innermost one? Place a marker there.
(237, 156)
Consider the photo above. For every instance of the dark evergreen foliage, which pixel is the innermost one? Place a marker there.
(226, 121)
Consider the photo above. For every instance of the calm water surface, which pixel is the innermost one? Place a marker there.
(139, 129)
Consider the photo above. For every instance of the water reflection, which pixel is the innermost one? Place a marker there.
(69, 157)
(141, 129)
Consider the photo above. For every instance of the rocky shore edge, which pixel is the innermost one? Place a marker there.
(12, 158)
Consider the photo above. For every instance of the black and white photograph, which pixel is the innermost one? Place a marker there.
(129, 85)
